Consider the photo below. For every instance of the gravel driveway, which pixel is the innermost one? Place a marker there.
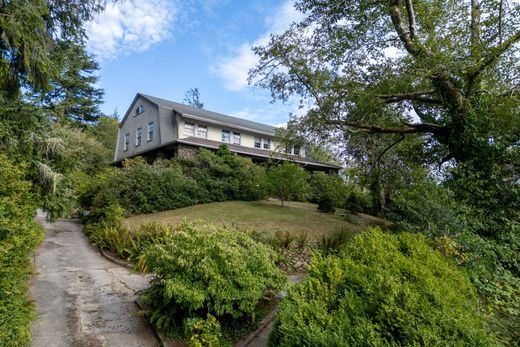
(81, 298)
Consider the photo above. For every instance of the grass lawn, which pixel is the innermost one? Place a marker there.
(295, 217)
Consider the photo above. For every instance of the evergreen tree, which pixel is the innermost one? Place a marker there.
(74, 97)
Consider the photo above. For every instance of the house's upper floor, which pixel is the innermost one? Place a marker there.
(152, 123)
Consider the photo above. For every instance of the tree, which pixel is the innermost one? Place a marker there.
(192, 98)
(288, 181)
(30, 30)
(74, 97)
(446, 72)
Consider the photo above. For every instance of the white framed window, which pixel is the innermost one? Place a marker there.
(225, 136)
(296, 150)
(202, 131)
(267, 144)
(236, 138)
(138, 136)
(189, 129)
(126, 142)
(258, 142)
(151, 127)
(139, 109)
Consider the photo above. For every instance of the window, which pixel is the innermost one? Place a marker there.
(151, 126)
(202, 131)
(267, 144)
(236, 138)
(138, 136)
(225, 136)
(127, 142)
(296, 150)
(258, 142)
(189, 129)
(140, 109)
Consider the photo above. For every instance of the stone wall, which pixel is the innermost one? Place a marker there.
(186, 151)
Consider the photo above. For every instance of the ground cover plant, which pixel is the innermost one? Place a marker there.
(382, 289)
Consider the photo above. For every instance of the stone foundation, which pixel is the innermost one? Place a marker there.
(186, 151)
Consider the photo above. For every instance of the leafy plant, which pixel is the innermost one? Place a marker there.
(288, 181)
(382, 289)
(19, 236)
(204, 332)
(202, 269)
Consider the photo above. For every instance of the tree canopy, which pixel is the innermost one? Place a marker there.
(445, 71)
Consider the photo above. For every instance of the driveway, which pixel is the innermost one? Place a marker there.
(81, 298)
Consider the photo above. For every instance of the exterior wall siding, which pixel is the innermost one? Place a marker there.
(247, 139)
(130, 126)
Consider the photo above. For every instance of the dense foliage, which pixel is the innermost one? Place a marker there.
(382, 289)
(19, 236)
(201, 269)
(169, 184)
(288, 181)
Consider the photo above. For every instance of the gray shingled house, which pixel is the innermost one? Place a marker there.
(158, 128)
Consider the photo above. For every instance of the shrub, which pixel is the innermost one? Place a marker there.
(358, 201)
(203, 333)
(331, 186)
(326, 203)
(19, 236)
(169, 184)
(382, 289)
(203, 270)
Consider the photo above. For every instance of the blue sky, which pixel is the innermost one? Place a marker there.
(165, 47)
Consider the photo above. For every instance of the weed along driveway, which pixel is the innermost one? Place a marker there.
(81, 298)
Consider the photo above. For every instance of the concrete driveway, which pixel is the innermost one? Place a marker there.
(81, 298)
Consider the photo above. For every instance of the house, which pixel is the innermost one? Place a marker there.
(157, 128)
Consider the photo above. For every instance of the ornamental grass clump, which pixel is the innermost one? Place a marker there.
(382, 290)
(204, 270)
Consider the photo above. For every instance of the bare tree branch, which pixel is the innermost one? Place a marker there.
(389, 147)
(411, 18)
(404, 35)
(407, 128)
(415, 96)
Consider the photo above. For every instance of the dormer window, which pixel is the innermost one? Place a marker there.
(139, 110)
(296, 150)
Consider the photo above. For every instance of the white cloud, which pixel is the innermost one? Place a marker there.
(130, 26)
(233, 69)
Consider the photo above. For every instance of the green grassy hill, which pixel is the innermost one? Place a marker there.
(262, 216)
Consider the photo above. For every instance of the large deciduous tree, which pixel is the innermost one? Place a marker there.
(446, 71)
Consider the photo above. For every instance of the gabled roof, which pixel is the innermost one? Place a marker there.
(211, 117)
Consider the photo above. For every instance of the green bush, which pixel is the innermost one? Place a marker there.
(169, 184)
(358, 201)
(326, 203)
(325, 186)
(382, 289)
(19, 236)
(201, 270)
(204, 332)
